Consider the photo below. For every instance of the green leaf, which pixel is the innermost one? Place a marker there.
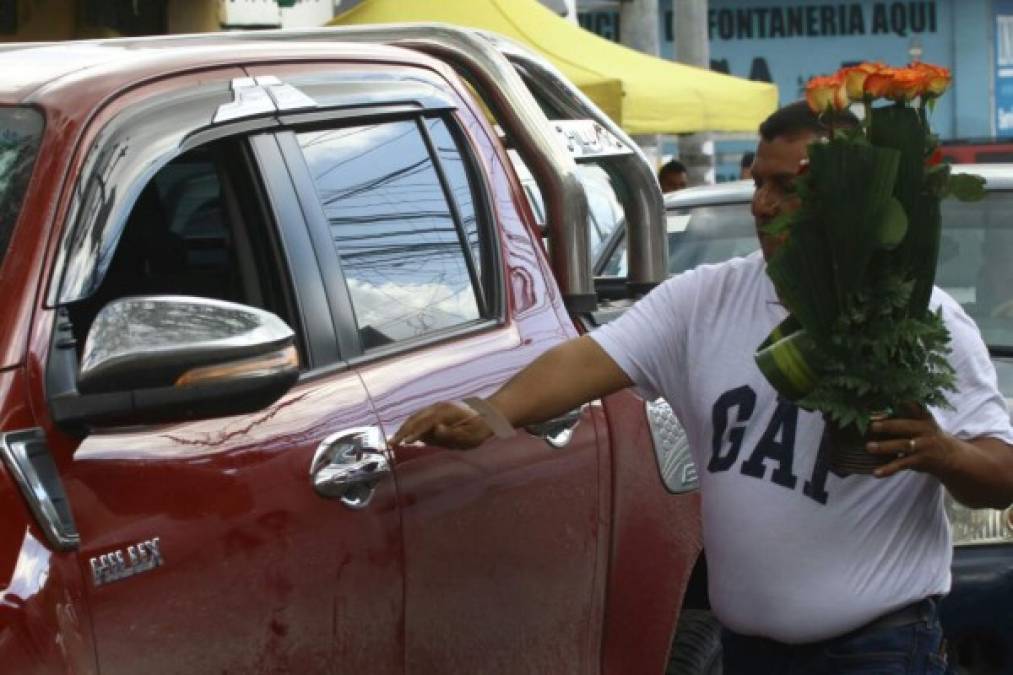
(892, 224)
(967, 187)
(779, 225)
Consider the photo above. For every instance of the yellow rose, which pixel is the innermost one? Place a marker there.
(823, 93)
(877, 84)
(907, 84)
(854, 78)
(937, 78)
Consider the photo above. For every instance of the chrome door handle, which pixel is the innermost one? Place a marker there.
(348, 464)
(558, 431)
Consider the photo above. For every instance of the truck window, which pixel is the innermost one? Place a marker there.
(460, 186)
(190, 233)
(407, 247)
(20, 131)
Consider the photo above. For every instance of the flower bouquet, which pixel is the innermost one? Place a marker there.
(857, 265)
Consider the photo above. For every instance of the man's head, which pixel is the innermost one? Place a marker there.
(672, 176)
(746, 165)
(784, 137)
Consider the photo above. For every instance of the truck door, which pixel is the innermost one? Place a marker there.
(446, 296)
(211, 546)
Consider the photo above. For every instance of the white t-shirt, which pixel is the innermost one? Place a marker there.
(794, 553)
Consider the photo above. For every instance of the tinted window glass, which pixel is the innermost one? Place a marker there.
(20, 129)
(195, 229)
(400, 249)
(190, 192)
(456, 171)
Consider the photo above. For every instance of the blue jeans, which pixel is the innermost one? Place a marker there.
(916, 648)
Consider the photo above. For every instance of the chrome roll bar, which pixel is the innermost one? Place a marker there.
(645, 210)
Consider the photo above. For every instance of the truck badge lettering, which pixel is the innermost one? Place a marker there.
(115, 565)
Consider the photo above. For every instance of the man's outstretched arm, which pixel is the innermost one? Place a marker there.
(564, 377)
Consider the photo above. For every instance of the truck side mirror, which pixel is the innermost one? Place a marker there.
(151, 359)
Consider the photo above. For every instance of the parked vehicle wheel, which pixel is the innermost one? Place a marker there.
(696, 649)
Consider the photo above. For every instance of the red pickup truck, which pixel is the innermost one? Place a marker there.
(231, 266)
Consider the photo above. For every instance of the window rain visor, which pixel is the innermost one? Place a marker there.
(20, 131)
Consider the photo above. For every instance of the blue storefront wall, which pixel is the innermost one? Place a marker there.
(789, 41)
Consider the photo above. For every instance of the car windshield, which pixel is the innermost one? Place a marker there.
(976, 262)
(698, 236)
(20, 130)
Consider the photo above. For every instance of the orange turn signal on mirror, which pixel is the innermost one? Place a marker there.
(258, 366)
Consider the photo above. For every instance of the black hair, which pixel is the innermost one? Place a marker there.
(747, 159)
(796, 117)
(672, 166)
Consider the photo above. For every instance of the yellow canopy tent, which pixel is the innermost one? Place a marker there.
(644, 94)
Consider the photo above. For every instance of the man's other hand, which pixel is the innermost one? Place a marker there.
(445, 424)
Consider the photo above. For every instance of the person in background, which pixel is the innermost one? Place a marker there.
(672, 176)
(809, 571)
(746, 165)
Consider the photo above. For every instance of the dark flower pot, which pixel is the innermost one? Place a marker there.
(847, 450)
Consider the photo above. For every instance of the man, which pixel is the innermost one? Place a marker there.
(746, 165)
(672, 176)
(810, 572)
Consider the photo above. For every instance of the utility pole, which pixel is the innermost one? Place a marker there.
(571, 11)
(689, 26)
(638, 29)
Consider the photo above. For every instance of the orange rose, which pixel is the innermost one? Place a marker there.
(826, 92)
(854, 78)
(907, 84)
(877, 84)
(937, 78)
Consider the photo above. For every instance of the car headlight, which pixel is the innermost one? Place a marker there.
(979, 526)
(678, 472)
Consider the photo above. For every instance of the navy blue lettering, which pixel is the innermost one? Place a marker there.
(816, 487)
(795, 18)
(761, 13)
(726, 24)
(744, 23)
(778, 444)
(776, 22)
(898, 19)
(827, 24)
(879, 23)
(743, 399)
(856, 21)
(811, 12)
(918, 18)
